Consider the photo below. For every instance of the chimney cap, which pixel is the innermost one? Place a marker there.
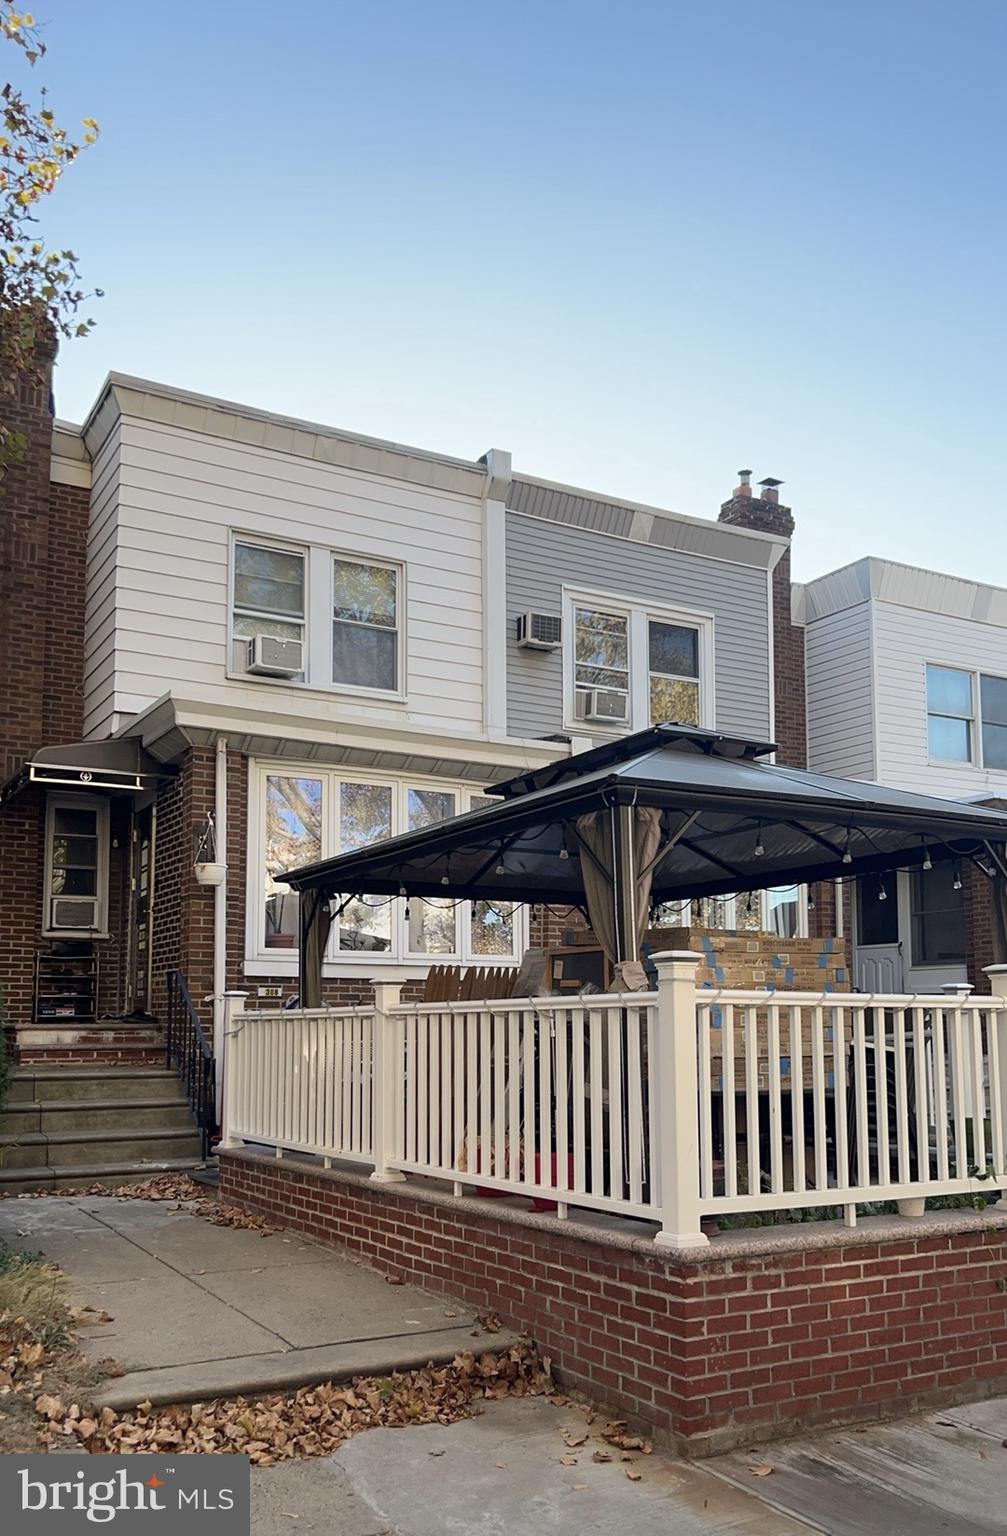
(744, 475)
(770, 483)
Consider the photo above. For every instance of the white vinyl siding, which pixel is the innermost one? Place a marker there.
(180, 497)
(839, 683)
(906, 640)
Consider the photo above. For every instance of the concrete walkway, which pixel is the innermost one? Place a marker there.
(202, 1311)
(503, 1474)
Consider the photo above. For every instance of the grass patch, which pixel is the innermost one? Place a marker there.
(38, 1348)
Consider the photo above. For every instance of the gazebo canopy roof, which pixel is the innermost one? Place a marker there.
(730, 821)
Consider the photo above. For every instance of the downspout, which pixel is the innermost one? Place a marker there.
(220, 908)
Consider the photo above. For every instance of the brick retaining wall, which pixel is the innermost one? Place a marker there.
(821, 1326)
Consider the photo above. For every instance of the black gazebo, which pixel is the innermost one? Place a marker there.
(667, 813)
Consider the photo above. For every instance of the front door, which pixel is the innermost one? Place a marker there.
(141, 909)
(879, 952)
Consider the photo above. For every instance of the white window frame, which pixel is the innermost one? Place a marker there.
(400, 623)
(733, 902)
(260, 961)
(285, 547)
(77, 803)
(319, 580)
(975, 675)
(975, 729)
(638, 616)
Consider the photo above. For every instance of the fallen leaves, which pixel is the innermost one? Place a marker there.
(761, 1471)
(167, 1187)
(312, 1421)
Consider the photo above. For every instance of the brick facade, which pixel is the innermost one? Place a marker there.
(706, 1353)
(43, 543)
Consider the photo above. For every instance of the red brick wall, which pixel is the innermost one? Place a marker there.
(706, 1354)
(791, 730)
(43, 532)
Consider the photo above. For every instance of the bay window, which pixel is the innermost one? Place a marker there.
(299, 818)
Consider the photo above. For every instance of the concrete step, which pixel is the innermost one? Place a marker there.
(91, 1082)
(253, 1375)
(94, 1115)
(130, 1144)
(75, 1056)
(27, 1181)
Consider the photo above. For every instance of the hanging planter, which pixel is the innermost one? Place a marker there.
(209, 870)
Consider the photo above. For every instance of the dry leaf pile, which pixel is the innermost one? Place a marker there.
(313, 1421)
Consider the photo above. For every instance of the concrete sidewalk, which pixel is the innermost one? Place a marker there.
(509, 1472)
(201, 1311)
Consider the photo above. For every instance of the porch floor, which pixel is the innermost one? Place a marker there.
(201, 1311)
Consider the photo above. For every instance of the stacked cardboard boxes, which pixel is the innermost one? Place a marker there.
(762, 962)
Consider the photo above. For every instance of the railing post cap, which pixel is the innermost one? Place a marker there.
(234, 992)
(667, 957)
(995, 970)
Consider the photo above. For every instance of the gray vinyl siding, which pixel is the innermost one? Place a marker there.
(545, 556)
(839, 679)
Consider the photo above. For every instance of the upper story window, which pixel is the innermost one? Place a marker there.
(365, 625)
(950, 715)
(629, 666)
(352, 638)
(966, 717)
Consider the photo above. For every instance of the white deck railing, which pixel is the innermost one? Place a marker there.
(302, 1081)
(673, 1106)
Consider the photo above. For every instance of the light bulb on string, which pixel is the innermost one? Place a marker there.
(759, 848)
(956, 883)
(847, 855)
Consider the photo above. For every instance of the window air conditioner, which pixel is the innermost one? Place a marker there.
(73, 912)
(606, 705)
(539, 631)
(268, 657)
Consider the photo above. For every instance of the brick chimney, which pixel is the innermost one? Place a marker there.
(765, 512)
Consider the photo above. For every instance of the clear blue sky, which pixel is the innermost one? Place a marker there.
(638, 244)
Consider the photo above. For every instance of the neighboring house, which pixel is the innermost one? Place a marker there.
(242, 643)
(907, 686)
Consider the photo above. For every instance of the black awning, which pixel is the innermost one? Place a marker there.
(116, 765)
(730, 822)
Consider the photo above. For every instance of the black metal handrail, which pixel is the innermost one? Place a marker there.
(188, 1052)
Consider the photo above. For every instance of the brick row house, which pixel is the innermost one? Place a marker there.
(235, 643)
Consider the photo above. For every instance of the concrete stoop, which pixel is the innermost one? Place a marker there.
(74, 1125)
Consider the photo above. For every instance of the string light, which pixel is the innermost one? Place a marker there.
(927, 861)
(956, 883)
(811, 900)
(564, 852)
(759, 848)
(847, 855)
(882, 893)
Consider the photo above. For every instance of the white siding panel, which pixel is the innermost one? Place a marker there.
(99, 607)
(838, 674)
(172, 505)
(906, 639)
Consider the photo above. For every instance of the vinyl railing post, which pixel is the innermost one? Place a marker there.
(226, 1051)
(675, 1100)
(385, 1083)
(998, 987)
